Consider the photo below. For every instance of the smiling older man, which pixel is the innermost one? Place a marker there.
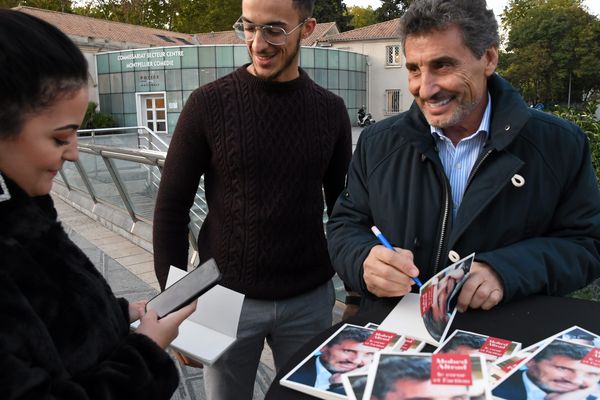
(469, 168)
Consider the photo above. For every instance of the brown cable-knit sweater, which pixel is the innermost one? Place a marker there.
(266, 149)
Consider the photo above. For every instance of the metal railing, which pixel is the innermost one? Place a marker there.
(121, 167)
(144, 138)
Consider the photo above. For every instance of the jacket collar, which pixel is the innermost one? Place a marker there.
(509, 115)
(509, 112)
(22, 215)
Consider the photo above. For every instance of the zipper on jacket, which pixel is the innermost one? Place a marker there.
(436, 265)
(476, 168)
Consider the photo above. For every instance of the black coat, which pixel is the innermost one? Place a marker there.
(63, 334)
(540, 237)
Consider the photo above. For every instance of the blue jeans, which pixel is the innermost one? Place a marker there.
(286, 325)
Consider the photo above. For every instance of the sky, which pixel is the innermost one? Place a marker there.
(496, 5)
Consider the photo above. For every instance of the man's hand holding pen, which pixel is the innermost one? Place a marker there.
(389, 271)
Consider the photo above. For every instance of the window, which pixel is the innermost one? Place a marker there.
(392, 101)
(393, 56)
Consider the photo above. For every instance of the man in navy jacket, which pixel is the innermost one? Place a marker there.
(469, 168)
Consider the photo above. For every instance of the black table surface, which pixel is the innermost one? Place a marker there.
(527, 321)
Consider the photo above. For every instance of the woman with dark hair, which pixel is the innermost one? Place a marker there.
(63, 334)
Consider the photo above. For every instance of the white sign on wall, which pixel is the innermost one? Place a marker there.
(148, 59)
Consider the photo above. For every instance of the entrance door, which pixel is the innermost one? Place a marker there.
(154, 112)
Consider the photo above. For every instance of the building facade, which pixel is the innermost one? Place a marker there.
(387, 80)
(150, 86)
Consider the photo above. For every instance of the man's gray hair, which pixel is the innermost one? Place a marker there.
(477, 23)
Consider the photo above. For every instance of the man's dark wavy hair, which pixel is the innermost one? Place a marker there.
(573, 351)
(350, 333)
(393, 368)
(477, 23)
(38, 65)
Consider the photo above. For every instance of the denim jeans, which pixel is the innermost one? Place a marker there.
(286, 325)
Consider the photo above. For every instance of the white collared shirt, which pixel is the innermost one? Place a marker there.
(458, 160)
(533, 391)
(323, 375)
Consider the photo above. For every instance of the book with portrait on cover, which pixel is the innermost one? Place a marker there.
(427, 376)
(491, 348)
(558, 369)
(427, 315)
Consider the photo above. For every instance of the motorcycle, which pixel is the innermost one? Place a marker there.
(364, 118)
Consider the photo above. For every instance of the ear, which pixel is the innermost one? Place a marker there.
(491, 60)
(309, 27)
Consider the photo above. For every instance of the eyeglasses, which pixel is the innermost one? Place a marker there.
(274, 35)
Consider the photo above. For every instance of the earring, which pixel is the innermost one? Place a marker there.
(4, 193)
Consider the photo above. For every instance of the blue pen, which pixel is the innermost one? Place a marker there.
(387, 244)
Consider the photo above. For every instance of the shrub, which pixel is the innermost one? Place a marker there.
(588, 122)
(95, 119)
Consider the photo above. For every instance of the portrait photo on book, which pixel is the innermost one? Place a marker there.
(557, 370)
(404, 376)
(491, 348)
(351, 348)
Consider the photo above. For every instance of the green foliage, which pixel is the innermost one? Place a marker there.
(362, 16)
(553, 50)
(95, 119)
(590, 292)
(391, 9)
(194, 16)
(150, 13)
(333, 11)
(587, 121)
(54, 5)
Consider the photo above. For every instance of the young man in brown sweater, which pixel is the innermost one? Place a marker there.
(268, 141)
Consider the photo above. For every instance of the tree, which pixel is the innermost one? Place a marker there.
(8, 3)
(361, 16)
(553, 50)
(195, 16)
(333, 11)
(151, 13)
(55, 5)
(391, 9)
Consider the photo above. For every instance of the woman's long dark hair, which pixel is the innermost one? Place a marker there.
(38, 65)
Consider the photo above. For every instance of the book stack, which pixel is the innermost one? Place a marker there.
(386, 362)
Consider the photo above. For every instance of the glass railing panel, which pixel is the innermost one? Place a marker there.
(58, 178)
(198, 211)
(141, 185)
(100, 179)
(338, 285)
(73, 176)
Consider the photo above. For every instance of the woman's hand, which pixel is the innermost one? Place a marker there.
(163, 331)
(186, 360)
(136, 310)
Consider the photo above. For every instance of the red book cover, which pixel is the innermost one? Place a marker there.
(380, 339)
(451, 369)
(495, 346)
(593, 358)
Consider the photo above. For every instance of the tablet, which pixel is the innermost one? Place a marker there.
(193, 285)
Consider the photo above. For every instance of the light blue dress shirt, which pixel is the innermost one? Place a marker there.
(458, 160)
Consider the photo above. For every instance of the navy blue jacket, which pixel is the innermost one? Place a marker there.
(540, 237)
